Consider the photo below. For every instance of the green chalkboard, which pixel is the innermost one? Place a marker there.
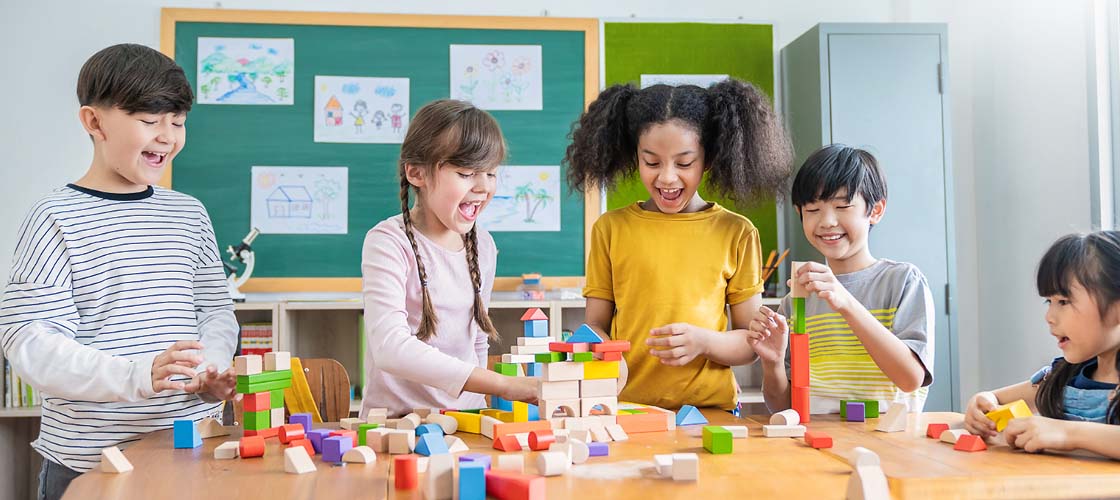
(743, 51)
(226, 141)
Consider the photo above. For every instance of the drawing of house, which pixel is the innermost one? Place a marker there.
(334, 112)
(289, 202)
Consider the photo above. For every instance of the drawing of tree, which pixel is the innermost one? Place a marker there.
(282, 93)
(540, 197)
(267, 80)
(326, 191)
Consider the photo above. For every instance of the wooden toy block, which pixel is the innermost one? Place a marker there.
(856, 412)
(316, 436)
(401, 441)
(429, 429)
(552, 463)
(409, 422)
(600, 369)
(506, 416)
(210, 427)
(581, 357)
(276, 417)
(565, 448)
(113, 461)
(248, 365)
(296, 461)
(520, 411)
(799, 359)
(186, 434)
(785, 417)
(933, 431)
(486, 426)
(798, 290)
(611, 346)
(895, 419)
(686, 467)
(603, 387)
(250, 447)
(519, 359)
(505, 368)
(264, 381)
(604, 405)
(670, 416)
(664, 465)
(580, 434)
(560, 390)
(717, 440)
(303, 419)
(255, 402)
(280, 360)
(533, 314)
(404, 472)
(506, 443)
(335, 446)
(868, 482)
(599, 434)
(478, 458)
(569, 348)
(379, 416)
(636, 423)
(777, 431)
(608, 356)
(970, 442)
(541, 440)
(290, 432)
(431, 444)
(617, 433)
(818, 439)
(799, 401)
(491, 412)
(505, 485)
(359, 455)
(951, 436)
(689, 415)
(598, 449)
(514, 463)
(276, 398)
(227, 450)
(1002, 415)
(536, 328)
(455, 445)
(375, 439)
(529, 350)
(549, 357)
(453, 421)
(579, 451)
(534, 341)
(305, 443)
(585, 334)
(522, 440)
(363, 433)
(570, 407)
(564, 370)
(423, 413)
(266, 433)
(353, 435)
(472, 481)
(738, 431)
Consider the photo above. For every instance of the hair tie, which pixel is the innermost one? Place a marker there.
(424, 283)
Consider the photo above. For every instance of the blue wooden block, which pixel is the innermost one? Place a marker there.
(303, 419)
(186, 434)
(585, 334)
(431, 444)
(533, 369)
(536, 328)
(472, 481)
(501, 404)
(478, 458)
(429, 429)
(689, 415)
(598, 449)
(317, 436)
(534, 413)
(336, 446)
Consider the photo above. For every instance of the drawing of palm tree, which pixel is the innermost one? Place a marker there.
(525, 192)
(542, 198)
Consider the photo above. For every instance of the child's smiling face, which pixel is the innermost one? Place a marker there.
(135, 148)
(838, 228)
(671, 166)
(1075, 321)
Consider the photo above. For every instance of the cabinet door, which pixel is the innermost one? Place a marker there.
(885, 96)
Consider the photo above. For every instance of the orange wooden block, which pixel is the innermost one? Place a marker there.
(934, 430)
(508, 485)
(291, 432)
(258, 401)
(566, 347)
(608, 356)
(404, 472)
(252, 446)
(642, 422)
(818, 439)
(506, 443)
(306, 443)
(507, 428)
(611, 346)
(799, 401)
(270, 432)
(353, 435)
(541, 440)
(970, 442)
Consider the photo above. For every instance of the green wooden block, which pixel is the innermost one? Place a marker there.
(251, 388)
(870, 407)
(362, 428)
(508, 369)
(550, 357)
(798, 317)
(717, 440)
(476, 411)
(265, 377)
(276, 398)
(583, 357)
(256, 420)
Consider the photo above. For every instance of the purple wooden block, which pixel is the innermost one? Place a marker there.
(317, 436)
(477, 458)
(334, 447)
(598, 449)
(855, 412)
(303, 419)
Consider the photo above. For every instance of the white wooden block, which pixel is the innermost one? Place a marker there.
(524, 341)
(379, 416)
(522, 439)
(227, 450)
(422, 465)
(785, 417)
(617, 432)
(519, 358)
(360, 455)
(113, 461)
(210, 427)
(487, 423)
(248, 365)
(868, 482)
(376, 440)
(799, 290)
(580, 435)
(580, 451)
(895, 419)
(552, 463)
(350, 424)
(575, 424)
(600, 387)
(610, 404)
(440, 483)
(510, 461)
(561, 371)
(297, 461)
(561, 435)
(565, 448)
(600, 434)
(776, 431)
(570, 407)
(401, 441)
(392, 423)
(531, 350)
(276, 361)
(448, 424)
(409, 422)
(664, 464)
(686, 467)
(604, 419)
(455, 445)
(951, 436)
(276, 417)
(559, 390)
(738, 431)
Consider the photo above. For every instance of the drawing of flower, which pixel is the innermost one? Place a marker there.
(494, 60)
(521, 66)
(469, 72)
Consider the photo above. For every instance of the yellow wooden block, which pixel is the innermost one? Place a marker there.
(1002, 415)
(468, 422)
(490, 412)
(505, 416)
(520, 411)
(600, 369)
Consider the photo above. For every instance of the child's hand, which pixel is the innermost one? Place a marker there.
(975, 419)
(176, 360)
(1035, 434)
(817, 277)
(212, 386)
(525, 389)
(768, 334)
(677, 344)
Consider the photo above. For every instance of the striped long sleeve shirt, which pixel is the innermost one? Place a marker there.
(100, 284)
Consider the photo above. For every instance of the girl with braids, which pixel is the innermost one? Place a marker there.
(660, 272)
(1076, 395)
(428, 272)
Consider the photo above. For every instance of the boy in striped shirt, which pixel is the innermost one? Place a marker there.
(117, 308)
(870, 321)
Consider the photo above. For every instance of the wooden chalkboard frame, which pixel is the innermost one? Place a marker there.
(590, 27)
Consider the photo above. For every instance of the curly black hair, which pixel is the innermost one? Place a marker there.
(748, 153)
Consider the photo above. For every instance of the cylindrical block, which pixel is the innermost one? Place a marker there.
(290, 432)
(552, 463)
(252, 446)
(541, 440)
(404, 472)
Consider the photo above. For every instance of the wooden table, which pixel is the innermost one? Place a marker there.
(917, 467)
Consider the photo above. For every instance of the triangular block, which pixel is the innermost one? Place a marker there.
(533, 314)
(689, 415)
(895, 419)
(585, 334)
(112, 460)
(970, 442)
(507, 443)
(296, 461)
(431, 444)
(933, 431)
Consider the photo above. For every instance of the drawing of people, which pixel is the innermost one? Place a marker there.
(378, 119)
(359, 113)
(396, 117)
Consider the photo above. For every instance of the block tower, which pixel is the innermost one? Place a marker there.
(799, 349)
(263, 382)
(580, 375)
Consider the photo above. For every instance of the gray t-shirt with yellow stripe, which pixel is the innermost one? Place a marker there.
(897, 294)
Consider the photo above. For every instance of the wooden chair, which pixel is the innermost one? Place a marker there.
(330, 389)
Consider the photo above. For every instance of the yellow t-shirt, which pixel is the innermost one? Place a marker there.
(673, 268)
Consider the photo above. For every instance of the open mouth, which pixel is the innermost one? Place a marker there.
(831, 238)
(470, 210)
(1063, 342)
(670, 195)
(154, 158)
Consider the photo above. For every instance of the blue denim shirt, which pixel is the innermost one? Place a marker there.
(1086, 399)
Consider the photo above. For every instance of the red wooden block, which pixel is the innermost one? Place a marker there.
(508, 485)
(342, 432)
(541, 440)
(799, 360)
(611, 346)
(270, 432)
(258, 401)
(506, 428)
(404, 472)
(608, 356)
(799, 401)
(306, 443)
(533, 315)
(818, 439)
(970, 442)
(934, 430)
(252, 446)
(291, 432)
(566, 347)
(506, 443)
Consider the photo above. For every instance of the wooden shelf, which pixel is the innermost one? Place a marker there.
(33, 411)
